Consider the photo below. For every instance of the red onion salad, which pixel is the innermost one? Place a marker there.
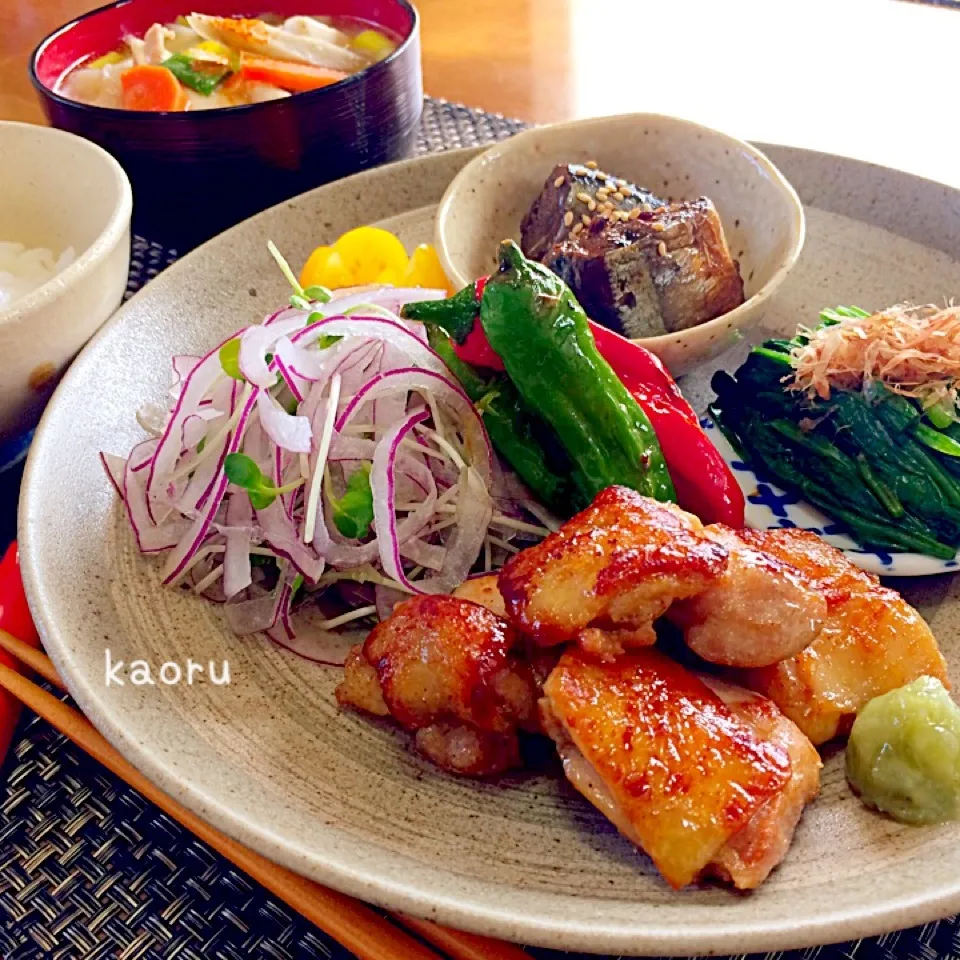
(317, 468)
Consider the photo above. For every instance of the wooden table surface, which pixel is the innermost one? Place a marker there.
(873, 79)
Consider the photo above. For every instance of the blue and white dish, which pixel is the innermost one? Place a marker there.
(769, 506)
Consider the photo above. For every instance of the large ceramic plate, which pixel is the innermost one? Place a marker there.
(269, 759)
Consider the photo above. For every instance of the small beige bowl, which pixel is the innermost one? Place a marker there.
(58, 191)
(761, 213)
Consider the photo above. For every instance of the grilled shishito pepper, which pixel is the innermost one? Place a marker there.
(704, 483)
(535, 325)
(513, 429)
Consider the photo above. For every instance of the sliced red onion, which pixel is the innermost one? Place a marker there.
(389, 298)
(383, 485)
(282, 314)
(280, 530)
(301, 363)
(474, 512)
(390, 331)
(151, 537)
(115, 467)
(184, 364)
(311, 640)
(429, 555)
(257, 340)
(342, 553)
(237, 573)
(195, 429)
(197, 385)
(441, 387)
(256, 615)
(294, 382)
(386, 598)
(141, 456)
(290, 432)
(188, 545)
(153, 417)
(200, 481)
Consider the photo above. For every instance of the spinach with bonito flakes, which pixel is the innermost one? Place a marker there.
(859, 415)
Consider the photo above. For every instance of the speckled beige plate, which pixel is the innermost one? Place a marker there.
(268, 758)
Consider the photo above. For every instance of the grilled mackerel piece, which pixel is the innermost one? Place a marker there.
(572, 194)
(659, 271)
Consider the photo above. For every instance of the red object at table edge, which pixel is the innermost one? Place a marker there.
(15, 618)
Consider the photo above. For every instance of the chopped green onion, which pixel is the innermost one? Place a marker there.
(202, 76)
(285, 270)
(936, 440)
(230, 359)
(942, 413)
(242, 471)
(353, 512)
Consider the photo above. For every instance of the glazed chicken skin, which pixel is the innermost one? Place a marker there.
(609, 572)
(751, 854)
(871, 641)
(448, 669)
(702, 787)
(760, 611)
(483, 590)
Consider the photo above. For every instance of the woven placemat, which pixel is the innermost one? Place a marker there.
(89, 870)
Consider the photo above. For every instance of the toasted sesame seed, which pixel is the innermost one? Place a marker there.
(592, 164)
(584, 197)
(568, 218)
(585, 218)
(623, 185)
(602, 192)
(592, 205)
(606, 207)
(601, 175)
(662, 249)
(577, 227)
(619, 197)
(634, 213)
(558, 182)
(646, 207)
(659, 227)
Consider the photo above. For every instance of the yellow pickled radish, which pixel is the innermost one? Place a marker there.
(336, 274)
(370, 252)
(106, 60)
(325, 268)
(391, 277)
(424, 270)
(373, 42)
(314, 267)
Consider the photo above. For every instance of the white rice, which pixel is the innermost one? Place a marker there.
(23, 270)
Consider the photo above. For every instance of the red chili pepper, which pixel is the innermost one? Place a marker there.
(476, 350)
(703, 480)
(704, 483)
(15, 618)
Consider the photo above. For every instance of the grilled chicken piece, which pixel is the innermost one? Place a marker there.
(483, 590)
(751, 853)
(871, 641)
(661, 271)
(662, 756)
(545, 222)
(449, 670)
(760, 611)
(609, 572)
